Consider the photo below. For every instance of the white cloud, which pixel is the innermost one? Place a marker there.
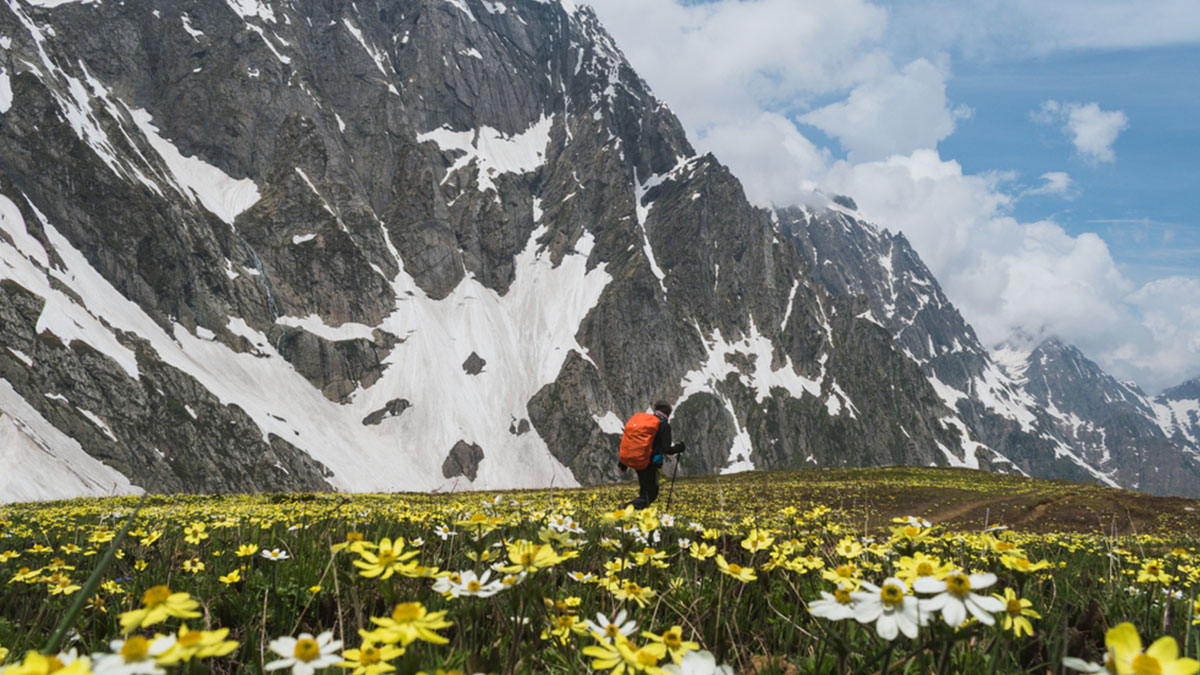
(771, 157)
(1092, 130)
(741, 73)
(894, 114)
(1054, 183)
(1007, 277)
(728, 60)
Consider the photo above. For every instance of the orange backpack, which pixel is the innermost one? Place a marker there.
(637, 443)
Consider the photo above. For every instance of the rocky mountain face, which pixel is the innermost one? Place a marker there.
(1178, 412)
(1051, 412)
(414, 244)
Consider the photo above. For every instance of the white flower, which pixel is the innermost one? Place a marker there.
(468, 583)
(133, 656)
(889, 606)
(698, 663)
(1082, 666)
(275, 554)
(444, 531)
(418, 542)
(956, 597)
(685, 543)
(607, 630)
(695, 527)
(833, 606)
(305, 654)
(582, 577)
(667, 520)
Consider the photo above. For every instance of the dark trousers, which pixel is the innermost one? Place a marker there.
(647, 487)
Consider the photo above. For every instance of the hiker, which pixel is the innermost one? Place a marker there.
(647, 439)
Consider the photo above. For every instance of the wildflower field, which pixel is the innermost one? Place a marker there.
(821, 571)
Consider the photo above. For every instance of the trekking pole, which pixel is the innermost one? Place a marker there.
(671, 492)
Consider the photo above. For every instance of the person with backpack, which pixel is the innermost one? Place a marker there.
(644, 444)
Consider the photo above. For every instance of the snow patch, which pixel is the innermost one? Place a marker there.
(493, 152)
(317, 326)
(248, 9)
(472, 52)
(40, 462)
(224, 196)
(301, 238)
(494, 7)
(95, 419)
(610, 423)
(22, 357)
(6, 93)
(461, 5)
(187, 27)
(375, 54)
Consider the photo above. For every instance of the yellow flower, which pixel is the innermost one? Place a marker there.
(246, 550)
(1126, 655)
(1152, 572)
(231, 578)
(370, 658)
(409, 621)
(628, 590)
(849, 547)
(197, 644)
(843, 575)
(194, 533)
(194, 565)
(159, 603)
(673, 640)
(702, 551)
(757, 540)
(742, 574)
(150, 538)
(921, 565)
(9, 555)
(1019, 564)
(59, 664)
(527, 556)
(1015, 612)
(388, 559)
(623, 656)
(60, 584)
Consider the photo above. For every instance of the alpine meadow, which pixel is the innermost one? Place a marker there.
(424, 336)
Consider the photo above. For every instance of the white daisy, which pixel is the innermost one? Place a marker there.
(306, 654)
(134, 655)
(275, 554)
(834, 606)
(889, 606)
(956, 597)
(698, 663)
(607, 630)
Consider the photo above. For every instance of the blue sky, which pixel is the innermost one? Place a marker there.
(1039, 156)
(1145, 204)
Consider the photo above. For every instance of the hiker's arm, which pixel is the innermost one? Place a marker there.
(676, 449)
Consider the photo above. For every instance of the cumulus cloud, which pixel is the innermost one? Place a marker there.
(1092, 130)
(893, 114)
(774, 161)
(717, 62)
(1054, 183)
(743, 74)
(1008, 277)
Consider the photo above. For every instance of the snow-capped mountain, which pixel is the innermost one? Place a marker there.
(435, 244)
(1049, 411)
(1178, 412)
(424, 244)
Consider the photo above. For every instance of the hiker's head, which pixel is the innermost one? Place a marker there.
(663, 407)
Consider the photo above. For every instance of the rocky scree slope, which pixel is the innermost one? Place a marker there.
(416, 244)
